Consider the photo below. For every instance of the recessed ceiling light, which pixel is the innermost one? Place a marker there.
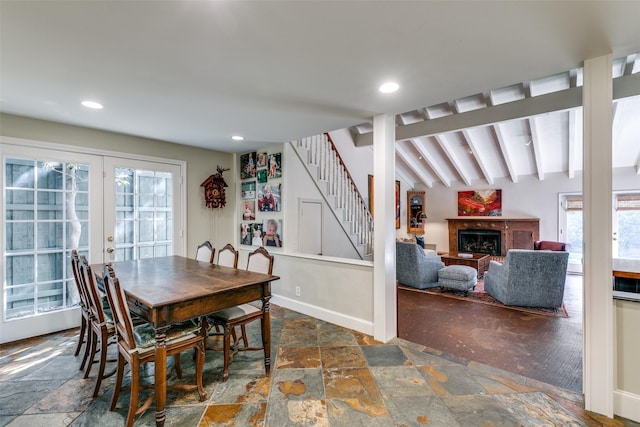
(92, 104)
(389, 87)
(237, 137)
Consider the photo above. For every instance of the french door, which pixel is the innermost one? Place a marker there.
(54, 201)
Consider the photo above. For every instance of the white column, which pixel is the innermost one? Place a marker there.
(599, 324)
(384, 230)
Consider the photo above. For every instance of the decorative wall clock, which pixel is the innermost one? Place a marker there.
(214, 193)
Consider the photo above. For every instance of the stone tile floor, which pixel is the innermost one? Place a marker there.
(323, 375)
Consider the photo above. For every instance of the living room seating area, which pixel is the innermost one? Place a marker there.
(528, 278)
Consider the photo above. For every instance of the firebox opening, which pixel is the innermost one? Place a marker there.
(479, 241)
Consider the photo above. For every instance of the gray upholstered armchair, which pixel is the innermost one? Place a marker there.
(528, 278)
(414, 268)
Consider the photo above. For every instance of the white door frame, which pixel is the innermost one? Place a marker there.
(69, 318)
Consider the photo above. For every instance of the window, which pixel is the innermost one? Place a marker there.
(627, 226)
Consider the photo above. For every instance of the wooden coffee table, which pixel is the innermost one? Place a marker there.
(478, 261)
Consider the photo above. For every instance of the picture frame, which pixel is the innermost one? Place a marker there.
(274, 165)
(397, 199)
(261, 175)
(480, 203)
(249, 210)
(261, 161)
(248, 165)
(248, 190)
(269, 197)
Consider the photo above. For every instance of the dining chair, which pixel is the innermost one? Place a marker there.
(228, 256)
(259, 261)
(85, 310)
(102, 329)
(205, 252)
(136, 346)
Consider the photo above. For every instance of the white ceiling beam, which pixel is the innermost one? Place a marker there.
(575, 144)
(415, 167)
(404, 176)
(505, 152)
(432, 162)
(535, 142)
(453, 158)
(478, 156)
(623, 87)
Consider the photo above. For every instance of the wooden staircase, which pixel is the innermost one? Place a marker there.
(322, 161)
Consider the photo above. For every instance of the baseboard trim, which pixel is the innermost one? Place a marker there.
(330, 316)
(626, 405)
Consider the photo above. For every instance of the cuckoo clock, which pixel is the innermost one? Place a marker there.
(214, 196)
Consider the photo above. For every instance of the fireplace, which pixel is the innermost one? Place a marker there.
(513, 233)
(479, 241)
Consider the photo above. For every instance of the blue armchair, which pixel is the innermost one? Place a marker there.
(414, 268)
(528, 278)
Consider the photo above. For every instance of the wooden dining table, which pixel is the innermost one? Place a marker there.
(172, 289)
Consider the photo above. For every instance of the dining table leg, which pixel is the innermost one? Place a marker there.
(266, 333)
(160, 375)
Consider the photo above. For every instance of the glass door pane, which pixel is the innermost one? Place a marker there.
(47, 213)
(145, 205)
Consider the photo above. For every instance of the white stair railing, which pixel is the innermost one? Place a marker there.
(338, 189)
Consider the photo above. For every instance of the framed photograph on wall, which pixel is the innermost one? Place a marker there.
(274, 165)
(397, 200)
(248, 165)
(245, 234)
(269, 197)
(262, 175)
(262, 160)
(248, 190)
(271, 232)
(256, 233)
(249, 210)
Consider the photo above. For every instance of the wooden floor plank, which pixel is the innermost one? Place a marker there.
(544, 348)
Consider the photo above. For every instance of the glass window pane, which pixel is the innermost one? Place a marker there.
(19, 173)
(50, 296)
(20, 301)
(19, 236)
(20, 269)
(50, 236)
(51, 175)
(50, 267)
(629, 234)
(145, 252)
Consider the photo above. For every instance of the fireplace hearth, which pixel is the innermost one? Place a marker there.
(479, 241)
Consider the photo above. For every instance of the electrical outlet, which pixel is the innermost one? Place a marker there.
(297, 291)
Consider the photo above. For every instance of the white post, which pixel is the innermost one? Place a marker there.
(384, 252)
(599, 324)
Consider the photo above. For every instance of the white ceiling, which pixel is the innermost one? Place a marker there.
(198, 72)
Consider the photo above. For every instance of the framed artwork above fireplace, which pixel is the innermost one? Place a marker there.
(480, 203)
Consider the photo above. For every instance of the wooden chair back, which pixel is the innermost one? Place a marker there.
(228, 256)
(95, 300)
(75, 268)
(260, 261)
(120, 309)
(205, 252)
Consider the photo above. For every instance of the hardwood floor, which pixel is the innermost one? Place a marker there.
(545, 348)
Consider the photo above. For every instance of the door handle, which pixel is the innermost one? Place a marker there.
(110, 250)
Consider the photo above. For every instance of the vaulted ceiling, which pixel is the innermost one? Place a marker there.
(531, 128)
(476, 101)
